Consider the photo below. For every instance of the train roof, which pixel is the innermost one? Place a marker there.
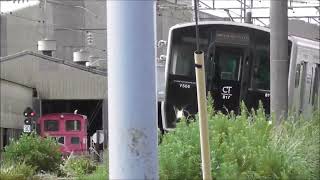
(294, 39)
(306, 42)
(222, 23)
(59, 114)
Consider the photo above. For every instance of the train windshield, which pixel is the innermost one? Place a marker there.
(73, 125)
(51, 125)
(225, 55)
(228, 62)
(183, 47)
(261, 68)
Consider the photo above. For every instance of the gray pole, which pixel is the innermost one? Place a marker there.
(132, 102)
(279, 58)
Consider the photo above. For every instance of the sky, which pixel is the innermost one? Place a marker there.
(7, 6)
(310, 11)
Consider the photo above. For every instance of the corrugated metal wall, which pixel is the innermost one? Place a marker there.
(54, 80)
(14, 99)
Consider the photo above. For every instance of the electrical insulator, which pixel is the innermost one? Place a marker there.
(19, 1)
(90, 38)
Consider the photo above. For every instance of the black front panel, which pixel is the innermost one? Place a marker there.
(182, 91)
(226, 96)
(254, 96)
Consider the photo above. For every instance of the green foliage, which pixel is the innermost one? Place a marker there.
(17, 171)
(102, 171)
(79, 165)
(42, 154)
(245, 146)
(298, 140)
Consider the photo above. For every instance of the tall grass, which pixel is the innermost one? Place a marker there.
(101, 172)
(245, 146)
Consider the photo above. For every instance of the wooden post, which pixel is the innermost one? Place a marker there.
(203, 115)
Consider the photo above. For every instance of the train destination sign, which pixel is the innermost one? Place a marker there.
(232, 38)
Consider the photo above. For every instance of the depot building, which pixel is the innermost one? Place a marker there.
(49, 85)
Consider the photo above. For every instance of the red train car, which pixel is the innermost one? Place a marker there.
(70, 131)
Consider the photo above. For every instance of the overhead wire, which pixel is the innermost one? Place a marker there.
(49, 24)
(197, 26)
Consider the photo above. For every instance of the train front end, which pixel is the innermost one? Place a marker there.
(69, 130)
(236, 67)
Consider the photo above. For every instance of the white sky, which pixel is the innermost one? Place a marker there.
(7, 6)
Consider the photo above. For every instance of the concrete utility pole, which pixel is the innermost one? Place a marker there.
(279, 58)
(132, 89)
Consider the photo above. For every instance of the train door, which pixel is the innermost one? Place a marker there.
(316, 87)
(310, 85)
(224, 82)
(299, 73)
(259, 89)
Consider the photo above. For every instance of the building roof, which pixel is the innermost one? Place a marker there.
(54, 78)
(53, 59)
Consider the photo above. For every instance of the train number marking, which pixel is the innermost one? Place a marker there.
(226, 92)
(185, 86)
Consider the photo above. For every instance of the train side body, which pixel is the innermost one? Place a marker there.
(304, 76)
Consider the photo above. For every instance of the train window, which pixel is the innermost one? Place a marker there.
(60, 139)
(182, 49)
(297, 77)
(261, 70)
(316, 84)
(183, 62)
(51, 125)
(73, 125)
(75, 140)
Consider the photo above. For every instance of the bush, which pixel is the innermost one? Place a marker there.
(16, 171)
(101, 172)
(42, 154)
(246, 146)
(79, 165)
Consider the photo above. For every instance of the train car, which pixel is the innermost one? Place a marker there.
(237, 64)
(69, 130)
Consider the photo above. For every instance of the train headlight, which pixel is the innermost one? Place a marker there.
(179, 114)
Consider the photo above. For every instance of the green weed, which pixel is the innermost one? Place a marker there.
(245, 146)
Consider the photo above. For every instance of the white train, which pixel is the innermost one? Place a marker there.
(237, 61)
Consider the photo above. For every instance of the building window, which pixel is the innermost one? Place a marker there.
(75, 140)
(73, 125)
(51, 125)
